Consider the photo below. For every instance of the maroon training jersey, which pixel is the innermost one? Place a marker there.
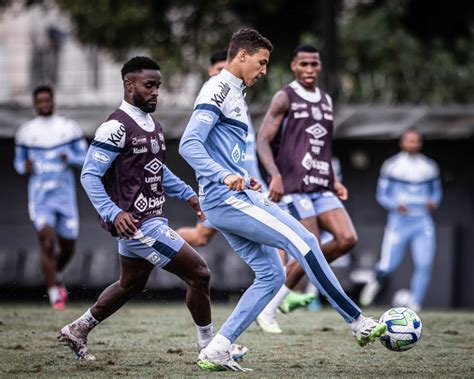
(134, 180)
(303, 146)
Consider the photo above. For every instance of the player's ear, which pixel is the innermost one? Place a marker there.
(128, 85)
(242, 55)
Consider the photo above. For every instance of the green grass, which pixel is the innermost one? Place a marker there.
(158, 340)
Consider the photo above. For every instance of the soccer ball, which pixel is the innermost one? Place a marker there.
(403, 329)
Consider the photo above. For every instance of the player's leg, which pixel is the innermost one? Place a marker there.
(423, 246)
(394, 245)
(269, 277)
(199, 235)
(48, 259)
(251, 217)
(134, 274)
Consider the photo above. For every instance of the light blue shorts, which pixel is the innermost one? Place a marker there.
(305, 205)
(155, 241)
(64, 220)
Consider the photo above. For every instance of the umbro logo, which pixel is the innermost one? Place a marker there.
(317, 130)
(153, 166)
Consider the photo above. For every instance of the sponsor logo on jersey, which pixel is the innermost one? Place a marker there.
(138, 140)
(41, 166)
(154, 187)
(153, 166)
(153, 258)
(155, 146)
(204, 117)
(302, 114)
(310, 179)
(219, 98)
(316, 149)
(309, 163)
(328, 116)
(116, 136)
(237, 111)
(152, 179)
(140, 150)
(236, 154)
(297, 106)
(161, 137)
(326, 108)
(142, 203)
(316, 130)
(317, 114)
(100, 156)
(171, 234)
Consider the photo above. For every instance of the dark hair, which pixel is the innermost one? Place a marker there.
(304, 49)
(138, 64)
(248, 39)
(42, 88)
(218, 56)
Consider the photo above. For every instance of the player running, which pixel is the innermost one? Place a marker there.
(295, 146)
(214, 145)
(47, 149)
(409, 188)
(126, 179)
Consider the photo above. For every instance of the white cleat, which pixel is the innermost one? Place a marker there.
(268, 326)
(219, 361)
(77, 344)
(369, 292)
(366, 330)
(237, 352)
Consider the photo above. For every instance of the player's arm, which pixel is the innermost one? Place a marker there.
(78, 148)
(178, 189)
(436, 192)
(99, 158)
(204, 118)
(21, 162)
(384, 190)
(267, 133)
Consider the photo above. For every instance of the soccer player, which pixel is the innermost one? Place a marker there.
(47, 148)
(126, 179)
(214, 145)
(409, 188)
(295, 146)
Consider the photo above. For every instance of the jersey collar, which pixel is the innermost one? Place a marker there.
(234, 80)
(310, 96)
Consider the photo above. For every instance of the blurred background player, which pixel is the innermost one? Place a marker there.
(409, 188)
(47, 148)
(295, 146)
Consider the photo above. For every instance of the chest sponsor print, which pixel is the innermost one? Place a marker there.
(218, 98)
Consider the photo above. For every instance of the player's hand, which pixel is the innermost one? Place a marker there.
(125, 225)
(28, 166)
(276, 188)
(431, 206)
(255, 185)
(194, 203)
(402, 209)
(235, 182)
(341, 190)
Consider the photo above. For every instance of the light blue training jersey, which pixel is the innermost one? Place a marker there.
(411, 180)
(214, 142)
(43, 140)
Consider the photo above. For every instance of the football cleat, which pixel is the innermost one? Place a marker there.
(366, 330)
(295, 300)
(268, 326)
(237, 352)
(219, 361)
(77, 344)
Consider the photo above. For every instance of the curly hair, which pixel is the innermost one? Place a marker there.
(249, 40)
(139, 63)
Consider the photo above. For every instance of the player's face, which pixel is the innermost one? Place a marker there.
(306, 67)
(254, 66)
(216, 68)
(43, 104)
(143, 87)
(411, 142)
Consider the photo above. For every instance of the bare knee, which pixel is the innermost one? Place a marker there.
(200, 278)
(132, 286)
(346, 242)
(46, 240)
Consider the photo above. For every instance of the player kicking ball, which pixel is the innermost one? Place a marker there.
(214, 145)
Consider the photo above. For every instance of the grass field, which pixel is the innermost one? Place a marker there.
(158, 340)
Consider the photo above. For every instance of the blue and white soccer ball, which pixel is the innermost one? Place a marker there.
(403, 329)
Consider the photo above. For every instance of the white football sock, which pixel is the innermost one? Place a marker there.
(204, 334)
(218, 343)
(53, 294)
(84, 324)
(269, 313)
